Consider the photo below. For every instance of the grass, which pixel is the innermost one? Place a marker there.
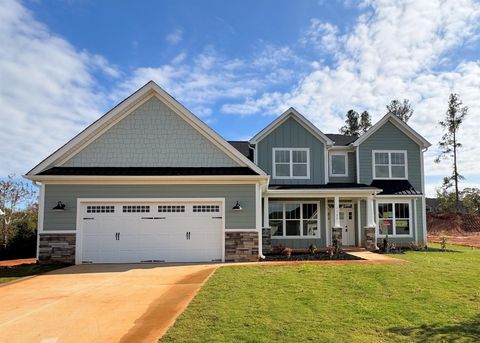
(12, 273)
(434, 298)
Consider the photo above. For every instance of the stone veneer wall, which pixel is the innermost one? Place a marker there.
(266, 240)
(57, 247)
(337, 235)
(370, 243)
(241, 246)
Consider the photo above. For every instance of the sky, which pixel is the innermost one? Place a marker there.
(237, 65)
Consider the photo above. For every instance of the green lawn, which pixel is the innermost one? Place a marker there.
(12, 273)
(434, 298)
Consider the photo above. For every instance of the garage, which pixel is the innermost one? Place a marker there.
(150, 231)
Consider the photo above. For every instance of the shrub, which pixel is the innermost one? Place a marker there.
(313, 249)
(443, 241)
(287, 252)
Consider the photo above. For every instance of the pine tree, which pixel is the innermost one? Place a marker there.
(402, 110)
(351, 127)
(449, 143)
(365, 122)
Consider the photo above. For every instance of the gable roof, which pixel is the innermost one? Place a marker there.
(292, 113)
(123, 109)
(400, 124)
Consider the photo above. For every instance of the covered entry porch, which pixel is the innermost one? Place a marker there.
(299, 218)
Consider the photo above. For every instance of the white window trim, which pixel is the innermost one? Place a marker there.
(339, 153)
(291, 177)
(394, 219)
(404, 152)
(284, 220)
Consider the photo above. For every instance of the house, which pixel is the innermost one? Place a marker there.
(150, 182)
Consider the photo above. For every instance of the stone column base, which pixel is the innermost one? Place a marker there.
(241, 246)
(370, 239)
(337, 236)
(56, 248)
(266, 240)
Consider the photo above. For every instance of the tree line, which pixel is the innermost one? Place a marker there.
(450, 196)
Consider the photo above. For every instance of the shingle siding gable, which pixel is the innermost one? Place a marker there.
(152, 135)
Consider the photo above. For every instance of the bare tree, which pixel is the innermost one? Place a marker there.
(449, 143)
(13, 194)
(402, 110)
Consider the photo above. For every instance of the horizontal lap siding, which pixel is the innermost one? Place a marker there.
(389, 137)
(291, 134)
(352, 171)
(68, 194)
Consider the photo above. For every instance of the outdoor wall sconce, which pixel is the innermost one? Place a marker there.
(237, 207)
(59, 207)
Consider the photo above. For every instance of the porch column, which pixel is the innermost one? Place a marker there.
(336, 229)
(266, 231)
(336, 222)
(370, 228)
(370, 221)
(265, 211)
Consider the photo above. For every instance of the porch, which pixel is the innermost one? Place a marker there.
(298, 218)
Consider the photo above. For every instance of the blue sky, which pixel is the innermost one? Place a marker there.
(235, 64)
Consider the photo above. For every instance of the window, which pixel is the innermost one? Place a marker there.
(101, 209)
(293, 219)
(206, 208)
(389, 164)
(171, 208)
(291, 163)
(394, 219)
(338, 164)
(136, 208)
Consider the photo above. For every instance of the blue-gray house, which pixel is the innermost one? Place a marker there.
(150, 182)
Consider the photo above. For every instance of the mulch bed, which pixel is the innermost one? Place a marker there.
(321, 256)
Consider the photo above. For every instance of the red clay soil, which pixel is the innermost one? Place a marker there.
(460, 228)
(468, 240)
(11, 263)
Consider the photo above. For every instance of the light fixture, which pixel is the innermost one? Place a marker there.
(237, 207)
(59, 207)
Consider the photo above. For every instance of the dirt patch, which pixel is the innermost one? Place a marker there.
(12, 263)
(452, 223)
(467, 239)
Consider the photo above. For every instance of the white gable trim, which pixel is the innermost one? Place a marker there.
(123, 109)
(400, 124)
(291, 113)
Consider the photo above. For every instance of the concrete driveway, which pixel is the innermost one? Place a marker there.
(98, 303)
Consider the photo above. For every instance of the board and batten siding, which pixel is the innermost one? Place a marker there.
(68, 194)
(389, 137)
(352, 170)
(152, 135)
(291, 134)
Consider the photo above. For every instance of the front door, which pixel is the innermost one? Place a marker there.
(347, 223)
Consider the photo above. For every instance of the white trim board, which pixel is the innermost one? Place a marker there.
(400, 124)
(123, 109)
(292, 113)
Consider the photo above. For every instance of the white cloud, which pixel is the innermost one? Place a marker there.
(47, 91)
(321, 35)
(175, 36)
(396, 49)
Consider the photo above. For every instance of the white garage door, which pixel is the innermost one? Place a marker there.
(151, 232)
